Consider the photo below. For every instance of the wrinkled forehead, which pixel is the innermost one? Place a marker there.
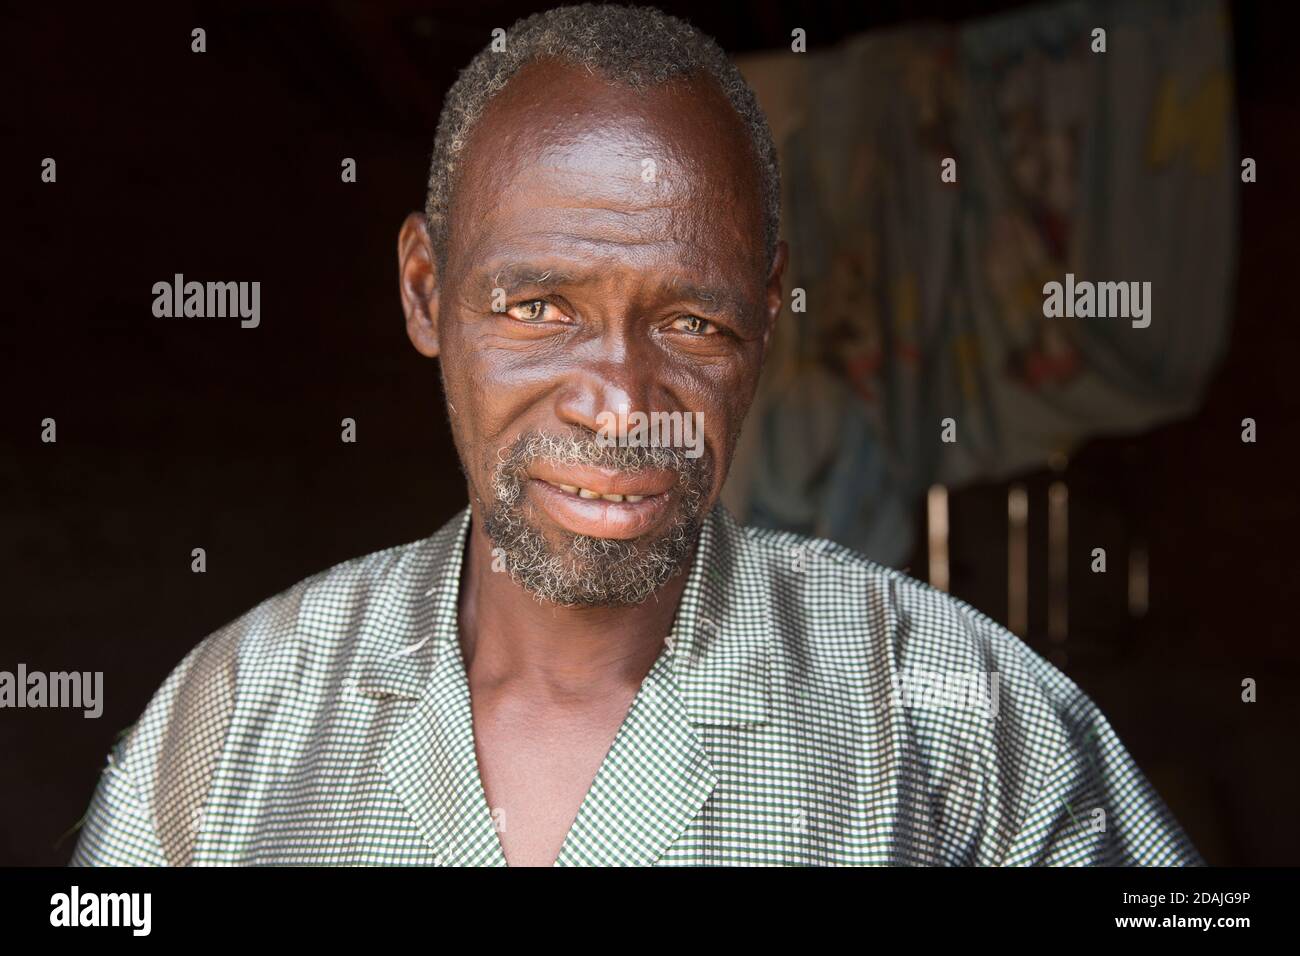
(564, 157)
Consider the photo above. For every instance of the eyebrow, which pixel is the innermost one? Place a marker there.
(720, 300)
(516, 277)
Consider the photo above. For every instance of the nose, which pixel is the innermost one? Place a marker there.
(609, 375)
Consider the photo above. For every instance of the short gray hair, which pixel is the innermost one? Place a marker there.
(640, 47)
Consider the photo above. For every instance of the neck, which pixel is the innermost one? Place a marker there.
(508, 637)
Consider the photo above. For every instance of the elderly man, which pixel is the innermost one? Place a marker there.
(593, 663)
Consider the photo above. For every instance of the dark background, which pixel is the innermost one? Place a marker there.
(181, 434)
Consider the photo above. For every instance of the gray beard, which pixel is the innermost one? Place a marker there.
(586, 571)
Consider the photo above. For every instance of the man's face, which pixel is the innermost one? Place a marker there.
(605, 258)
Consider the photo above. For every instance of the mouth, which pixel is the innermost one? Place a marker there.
(601, 503)
(590, 495)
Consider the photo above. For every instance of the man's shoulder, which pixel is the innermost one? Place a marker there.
(843, 588)
(321, 617)
(974, 707)
(861, 636)
(830, 601)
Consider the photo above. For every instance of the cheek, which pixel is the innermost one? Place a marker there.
(469, 404)
(456, 376)
(723, 391)
(491, 387)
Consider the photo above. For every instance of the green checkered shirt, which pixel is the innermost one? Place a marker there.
(786, 721)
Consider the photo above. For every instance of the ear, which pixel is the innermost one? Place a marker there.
(417, 279)
(775, 294)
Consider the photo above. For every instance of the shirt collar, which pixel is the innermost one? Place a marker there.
(719, 644)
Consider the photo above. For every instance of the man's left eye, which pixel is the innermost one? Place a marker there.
(695, 325)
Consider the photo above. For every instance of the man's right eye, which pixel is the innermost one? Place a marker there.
(536, 311)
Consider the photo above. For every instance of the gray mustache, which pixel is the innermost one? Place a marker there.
(694, 475)
(585, 449)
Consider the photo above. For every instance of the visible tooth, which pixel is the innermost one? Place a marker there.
(633, 498)
(571, 489)
(612, 497)
(584, 493)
